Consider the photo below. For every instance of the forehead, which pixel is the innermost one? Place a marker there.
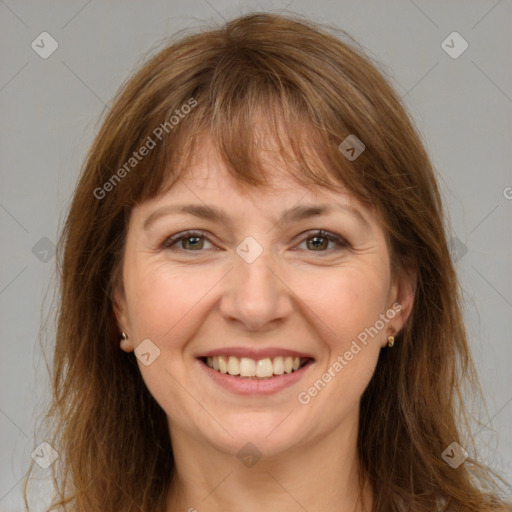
(207, 189)
(206, 171)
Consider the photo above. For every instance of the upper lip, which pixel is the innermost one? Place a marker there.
(253, 353)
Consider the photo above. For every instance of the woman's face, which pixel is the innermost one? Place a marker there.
(258, 291)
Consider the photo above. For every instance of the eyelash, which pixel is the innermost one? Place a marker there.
(172, 240)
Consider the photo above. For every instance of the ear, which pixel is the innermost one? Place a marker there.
(401, 299)
(120, 307)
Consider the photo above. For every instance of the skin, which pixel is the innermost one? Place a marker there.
(193, 298)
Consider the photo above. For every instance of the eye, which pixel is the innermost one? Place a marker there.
(193, 241)
(319, 240)
(190, 241)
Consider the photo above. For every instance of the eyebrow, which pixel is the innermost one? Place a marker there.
(294, 214)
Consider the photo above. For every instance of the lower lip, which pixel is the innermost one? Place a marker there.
(249, 386)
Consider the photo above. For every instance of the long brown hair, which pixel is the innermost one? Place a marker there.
(312, 90)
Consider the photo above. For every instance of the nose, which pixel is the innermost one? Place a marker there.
(255, 295)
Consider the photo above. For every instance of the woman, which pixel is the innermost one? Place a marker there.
(258, 307)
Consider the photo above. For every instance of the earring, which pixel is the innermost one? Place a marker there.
(391, 341)
(124, 337)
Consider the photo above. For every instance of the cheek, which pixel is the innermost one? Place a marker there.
(348, 300)
(162, 296)
(348, 303)
(163, 305)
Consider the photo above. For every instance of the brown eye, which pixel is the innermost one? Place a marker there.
(193, 242)
(319, 241)
(189, 241)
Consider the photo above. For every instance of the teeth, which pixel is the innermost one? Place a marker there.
(247, 367)
(223, 364)
(262, 368)
(233, 366)
(278, 365)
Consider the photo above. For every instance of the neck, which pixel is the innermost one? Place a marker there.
(320, 475)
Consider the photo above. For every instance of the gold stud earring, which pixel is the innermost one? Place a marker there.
(391, 341)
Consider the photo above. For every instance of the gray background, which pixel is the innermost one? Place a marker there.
(50, 110)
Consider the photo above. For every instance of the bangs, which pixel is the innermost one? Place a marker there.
(257, 130)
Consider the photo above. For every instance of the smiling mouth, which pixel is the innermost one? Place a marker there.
(260, 369)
